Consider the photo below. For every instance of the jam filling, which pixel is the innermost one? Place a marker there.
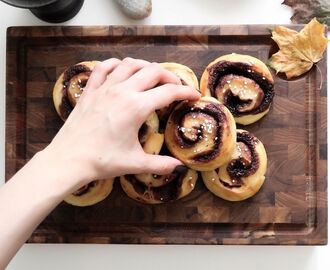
(210, 109)
(84, 189)
(231, 102)
(223, 68)
(142, 133)
(73, 71)
(247, 164)
(166, 193)
(82, 83)
(65, 106)
(234, 183)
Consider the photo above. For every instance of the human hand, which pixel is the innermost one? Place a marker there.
(100, 137)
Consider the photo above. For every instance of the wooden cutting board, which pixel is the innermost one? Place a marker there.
(291, 207)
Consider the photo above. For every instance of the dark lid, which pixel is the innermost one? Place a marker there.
(29, 3)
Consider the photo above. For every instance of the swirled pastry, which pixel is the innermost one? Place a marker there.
(242, 83)
(69, 87)
(202, 134)
(155, 189)
(243, 175)
(151, 188)
(91, 193)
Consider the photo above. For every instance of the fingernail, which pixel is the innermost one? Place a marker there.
(180, 169)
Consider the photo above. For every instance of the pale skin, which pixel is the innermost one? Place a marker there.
(99, 140)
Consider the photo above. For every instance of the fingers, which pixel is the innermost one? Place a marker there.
(126, 69)
(164, 95)
(100, 73)
(157, 164)
(150, 76)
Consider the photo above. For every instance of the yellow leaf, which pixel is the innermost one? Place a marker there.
(283, 36)
(298, 50)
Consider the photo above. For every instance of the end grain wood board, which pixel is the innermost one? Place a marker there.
(291, 207)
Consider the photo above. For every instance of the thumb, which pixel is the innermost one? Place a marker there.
(161, 165)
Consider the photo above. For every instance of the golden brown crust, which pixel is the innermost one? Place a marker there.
(255, 66)
(65, 95)
(201, 134)
(91, 194)
(243, 175)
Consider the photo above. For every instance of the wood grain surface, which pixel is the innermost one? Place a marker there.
(291, 207)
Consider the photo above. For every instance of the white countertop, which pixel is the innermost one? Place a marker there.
(63, 256)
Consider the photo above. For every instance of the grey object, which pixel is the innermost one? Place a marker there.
(135, 9)
(53, 11)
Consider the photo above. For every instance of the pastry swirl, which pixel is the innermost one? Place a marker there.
(90, 194)
(151, 188)
(156, 189)
(201, 134)
(243, 175)
(70, 85)
(242, 83)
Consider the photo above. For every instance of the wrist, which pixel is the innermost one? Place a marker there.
(59, 173)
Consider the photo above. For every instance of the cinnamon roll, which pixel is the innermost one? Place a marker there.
(91, 193)
(242, 83)
(69, 87)
(202, 134)
(155, 189)
(243, 175)
(187, 77)
(151, 188)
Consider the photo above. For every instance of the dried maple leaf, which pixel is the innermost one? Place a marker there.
(305, 10)
(298, 50)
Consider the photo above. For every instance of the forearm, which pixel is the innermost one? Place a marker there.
(27, 199)
(99, 140)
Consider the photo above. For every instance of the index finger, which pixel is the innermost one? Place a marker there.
(151, 76)
(164, 95)
(100, 72)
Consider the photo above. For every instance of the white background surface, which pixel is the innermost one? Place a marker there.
(104, 12)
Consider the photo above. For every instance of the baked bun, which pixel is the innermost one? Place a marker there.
(69, 87)
(155, 189)
(242, 83)
(151, 188)
(91, 193)
(243, 175)
(202, 134)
